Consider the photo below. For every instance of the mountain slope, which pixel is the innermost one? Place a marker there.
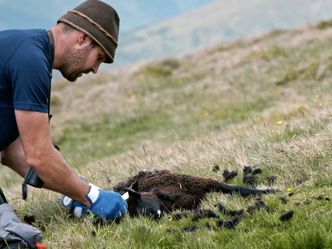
(250, 70)
(218, 21)
(148, 29)
(43, 14)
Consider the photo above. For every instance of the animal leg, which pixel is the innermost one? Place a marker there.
(164, 195)
(244, 191)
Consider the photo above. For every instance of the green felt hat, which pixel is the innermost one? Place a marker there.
(98, 20)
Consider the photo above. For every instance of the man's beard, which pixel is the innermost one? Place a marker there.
(71, 66)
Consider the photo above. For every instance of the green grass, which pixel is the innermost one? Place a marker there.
(324, 24)
(289, 133)
(162, 76)
(106, 137)
(269, 54)
(264, 102)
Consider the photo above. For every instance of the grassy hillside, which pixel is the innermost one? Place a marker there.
(264, 102)
(205, 26)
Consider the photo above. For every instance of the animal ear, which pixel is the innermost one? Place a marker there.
(133, 194)
(134, 186)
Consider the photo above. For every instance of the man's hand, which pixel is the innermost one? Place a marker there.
(104, 204)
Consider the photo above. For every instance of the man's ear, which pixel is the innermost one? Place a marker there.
(83, 39)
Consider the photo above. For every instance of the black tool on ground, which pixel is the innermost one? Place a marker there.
(2, 197)
(33, 180)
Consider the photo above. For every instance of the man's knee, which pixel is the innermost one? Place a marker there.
(13, 157)
(3, 158)
(2, 161)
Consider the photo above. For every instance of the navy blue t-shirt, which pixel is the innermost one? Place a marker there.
(25, 77)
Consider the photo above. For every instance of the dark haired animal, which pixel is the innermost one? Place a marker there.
(154, 192)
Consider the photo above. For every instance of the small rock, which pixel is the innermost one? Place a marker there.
(287, 216)
(247, 170)
(250, 180)
(216, 168)
(204, 213)
(322, 198)
(259, 204)
(225, 211)
(29, 219)
(230, 223)
(256, 171)
(229, 175)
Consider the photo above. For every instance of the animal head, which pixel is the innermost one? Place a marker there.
(142, 203)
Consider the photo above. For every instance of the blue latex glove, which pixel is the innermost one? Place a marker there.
(105, 204)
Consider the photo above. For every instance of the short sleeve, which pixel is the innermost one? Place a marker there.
(30, 77)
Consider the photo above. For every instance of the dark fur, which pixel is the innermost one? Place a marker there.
(162, 190)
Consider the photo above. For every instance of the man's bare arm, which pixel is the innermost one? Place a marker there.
(41, 155)
(13, 157)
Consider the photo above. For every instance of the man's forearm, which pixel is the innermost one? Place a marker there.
(58, 177)
(63, 181)
(41, 155)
